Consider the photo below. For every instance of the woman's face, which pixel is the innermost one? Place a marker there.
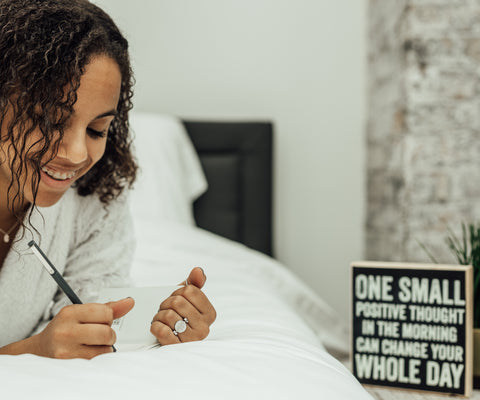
(84, 138)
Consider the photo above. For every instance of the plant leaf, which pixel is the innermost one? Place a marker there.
(432, 258)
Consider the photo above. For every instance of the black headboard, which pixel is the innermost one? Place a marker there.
(237, 161)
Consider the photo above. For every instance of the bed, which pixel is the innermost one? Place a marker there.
(272, 332)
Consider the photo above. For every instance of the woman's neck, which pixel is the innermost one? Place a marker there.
(8, 227)
(8, 218)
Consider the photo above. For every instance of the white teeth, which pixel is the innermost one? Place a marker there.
(58, 175)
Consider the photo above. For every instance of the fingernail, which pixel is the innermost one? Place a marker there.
(203, 272)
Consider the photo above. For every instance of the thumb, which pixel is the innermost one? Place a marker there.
(121, 307)
(196, 278)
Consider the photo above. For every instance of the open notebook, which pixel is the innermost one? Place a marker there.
(133, 329)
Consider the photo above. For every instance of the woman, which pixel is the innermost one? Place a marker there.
(65, 165)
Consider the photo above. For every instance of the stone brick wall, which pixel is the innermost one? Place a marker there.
(423, 133)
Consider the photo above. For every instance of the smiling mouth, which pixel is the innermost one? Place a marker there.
(59, 176)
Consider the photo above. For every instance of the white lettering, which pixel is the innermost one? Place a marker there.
(444, 352)
(367, 345)
(444, 375)
(373, 287)
(383, 368)
(429, 291)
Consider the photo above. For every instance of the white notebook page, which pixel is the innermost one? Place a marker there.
(133, 329)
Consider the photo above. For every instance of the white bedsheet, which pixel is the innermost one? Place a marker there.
(261, 346)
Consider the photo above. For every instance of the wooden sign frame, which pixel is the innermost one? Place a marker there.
(412, 326)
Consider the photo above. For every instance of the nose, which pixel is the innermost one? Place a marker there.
(73, 146)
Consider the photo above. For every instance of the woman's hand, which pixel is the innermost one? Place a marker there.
(82, 330)
(189, 303)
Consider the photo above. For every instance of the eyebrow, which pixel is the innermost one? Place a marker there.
(107, 114)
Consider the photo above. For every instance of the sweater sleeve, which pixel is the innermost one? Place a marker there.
(101, 254)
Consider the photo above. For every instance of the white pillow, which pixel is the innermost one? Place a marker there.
(170, 177)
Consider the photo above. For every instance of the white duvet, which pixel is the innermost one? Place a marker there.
(265, 343)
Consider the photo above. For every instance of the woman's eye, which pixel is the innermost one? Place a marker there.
(96, 134)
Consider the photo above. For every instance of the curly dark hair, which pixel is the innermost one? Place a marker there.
(45, 46)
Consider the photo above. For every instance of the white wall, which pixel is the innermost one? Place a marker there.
(298, 63)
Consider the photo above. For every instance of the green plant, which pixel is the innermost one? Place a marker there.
(467, 252)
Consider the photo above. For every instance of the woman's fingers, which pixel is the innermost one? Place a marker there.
(121, 307)
(164, 328)
(172, 310)
(199, 300)
(96, 335)
(82, 351)
(82, 330)
(88, 313)
(98, 313)
(89, 352)
(163, 333)
(196, 278)
(188, 303)
(184, 303)
(182, 308)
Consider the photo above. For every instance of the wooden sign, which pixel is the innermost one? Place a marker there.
(412, 326)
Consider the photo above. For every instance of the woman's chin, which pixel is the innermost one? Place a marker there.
(51, 190)
(47, 199)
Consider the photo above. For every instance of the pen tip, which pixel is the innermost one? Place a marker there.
(31, 243)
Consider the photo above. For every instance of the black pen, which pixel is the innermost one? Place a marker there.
(56, 275)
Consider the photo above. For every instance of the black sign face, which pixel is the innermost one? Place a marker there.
(412, 326)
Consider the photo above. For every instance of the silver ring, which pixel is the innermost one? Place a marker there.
(180, 326)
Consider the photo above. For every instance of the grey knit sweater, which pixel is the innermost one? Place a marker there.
(91, 246)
